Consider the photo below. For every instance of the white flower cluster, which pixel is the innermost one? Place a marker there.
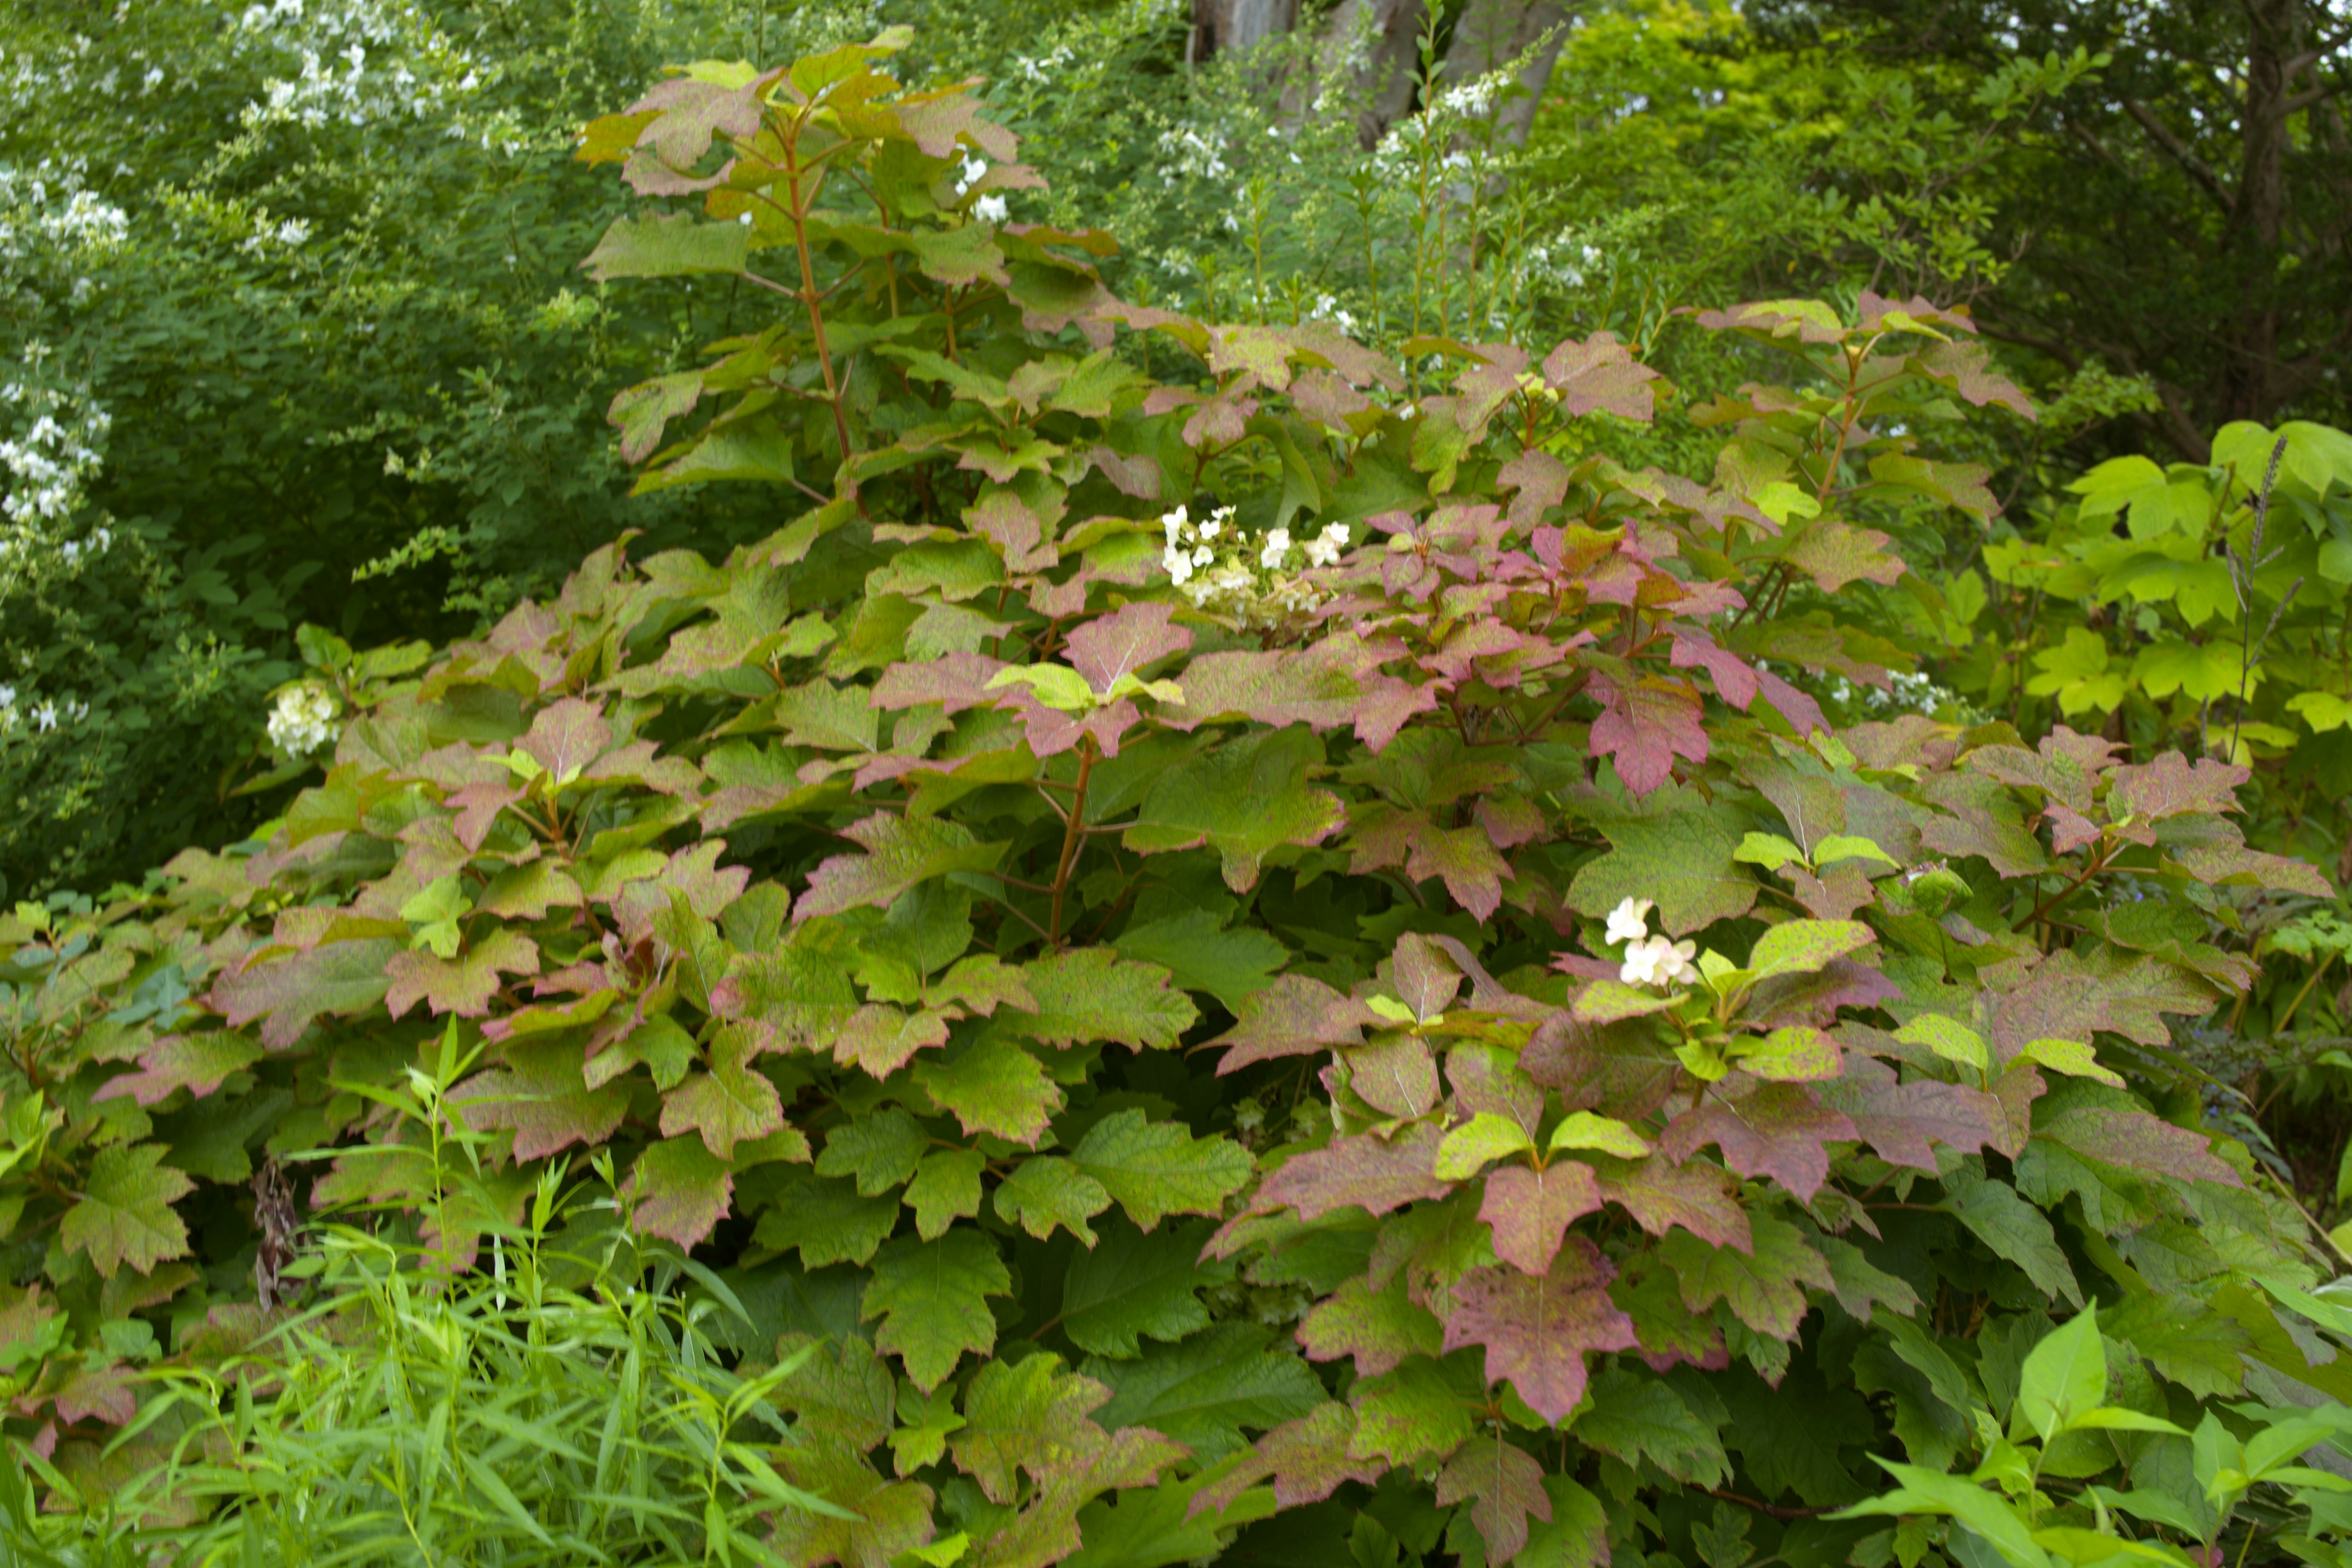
(50, 463)
(1904, 693)
(1046, 66)
(328, 46)
(1649, 960)
(43, 716)
(1192, 155)
(48, 217)
(1471, 100)
(304, 720)
(1562, 262)
(1258, 584)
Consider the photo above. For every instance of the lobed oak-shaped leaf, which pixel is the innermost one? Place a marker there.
(1539, 1329)
(1778, 1131)
(678, 1190)
(1088, 995)
(1158, 1168)
(1765, 1284)
(901, 852)
(124, 1214)
(197, 1063)
(932, 1299)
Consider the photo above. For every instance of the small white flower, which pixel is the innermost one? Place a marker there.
(1203, 555)
(989, 209)
(1323, 550)
(1179, 564)
(1277, 546)
(1657, 961)
(46, 716)
(1630, 921)
(293, 232)
(1174, 523)
(975, 166)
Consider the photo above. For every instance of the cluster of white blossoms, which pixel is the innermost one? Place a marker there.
(1191, 154)
(50, 222)
(1649, 960)
(1564, 262)
(1257, 583)
(353, 62)
(304, 720)
(49, 463)
(40, 717)
(1474, 99)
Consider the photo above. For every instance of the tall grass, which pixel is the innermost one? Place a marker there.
(465, 1390)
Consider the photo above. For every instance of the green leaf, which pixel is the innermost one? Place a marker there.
(1033, 1416)
(1244, 799)
(1949, 1038)
(1765, 1286)
(1486, 1136)
(1158, 1168)
(994, 1085)
(932, 1299)
(2066, 1375)
(1638, 1416)
(825, 1221)
(1231, 965)
(125, 1214)
(1090, 994)
(901, 852)
(946, 1188)
(1680, 852)
(1206, 1391)
(1839, 847)
(675, 245)
(1583, 1129)
(1049, 1191)
(2014, 1230)
(1769, 850)
(1134, 1287)
(1802, 947)
(880, 1150)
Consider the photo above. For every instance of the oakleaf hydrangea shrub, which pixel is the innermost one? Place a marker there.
(1434, 1050)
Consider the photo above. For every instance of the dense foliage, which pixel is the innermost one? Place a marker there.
(1218, 942)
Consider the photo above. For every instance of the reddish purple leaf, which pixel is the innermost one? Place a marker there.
(2139, 1140)
(1124, 642)
(1778, 1131)
(462, 986)
(1661, 1195)
(1538, 1330)
(540, 1092)
(1905, 1122)
(565, 737)
(1600, 374)
(1530, 1211)
(1734, 679)
(197, 1063)
(1644, 727)
(1504, 1485)
(1307, 1460)
(1295, 1016)
(1364, 1171)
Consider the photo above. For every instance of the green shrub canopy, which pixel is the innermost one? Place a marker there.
(1224, 919)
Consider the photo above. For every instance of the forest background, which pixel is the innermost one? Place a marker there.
(303, 360)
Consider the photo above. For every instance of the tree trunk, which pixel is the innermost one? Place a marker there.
(1236, 27)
